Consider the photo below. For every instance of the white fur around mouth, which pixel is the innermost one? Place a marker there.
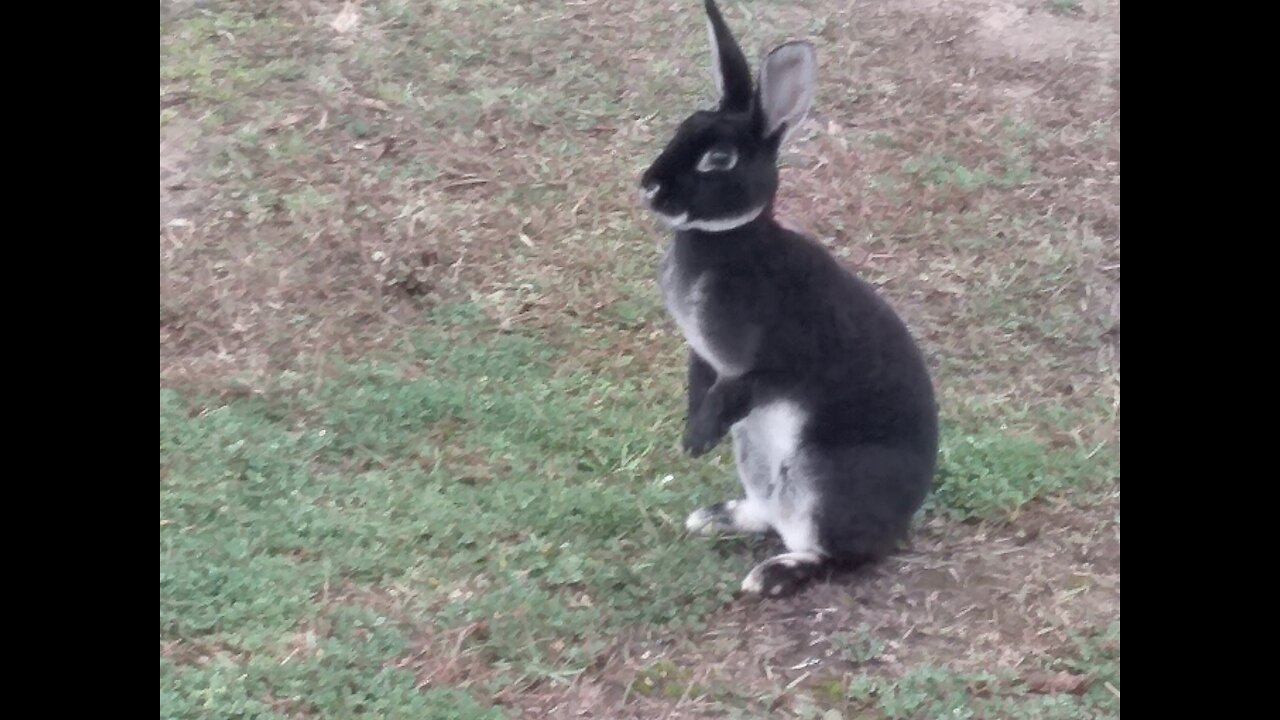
(682, 221)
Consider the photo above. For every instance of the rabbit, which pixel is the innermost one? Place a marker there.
(825, 393)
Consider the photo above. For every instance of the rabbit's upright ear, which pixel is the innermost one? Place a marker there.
(728, 64)
(788, 78)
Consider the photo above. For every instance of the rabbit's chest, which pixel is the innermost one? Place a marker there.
(687, 298)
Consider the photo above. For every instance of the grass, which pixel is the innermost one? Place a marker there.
(420, 406)
(1065, 7)
(932, 691)
(475, 470)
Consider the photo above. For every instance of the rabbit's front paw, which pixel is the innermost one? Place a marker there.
(701, 434)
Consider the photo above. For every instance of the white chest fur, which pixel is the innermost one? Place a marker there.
(685, 299)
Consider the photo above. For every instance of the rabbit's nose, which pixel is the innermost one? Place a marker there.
(650, 190)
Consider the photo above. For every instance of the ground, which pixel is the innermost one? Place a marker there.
(420, 406)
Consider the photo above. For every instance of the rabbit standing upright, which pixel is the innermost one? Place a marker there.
(827, 397)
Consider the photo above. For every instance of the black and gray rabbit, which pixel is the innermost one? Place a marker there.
(826, 395)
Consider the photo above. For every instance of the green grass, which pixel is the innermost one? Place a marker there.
(539, 492)
(489, 483)
(1091, 668)
(935, 692)
(347, 682)
(208, 55)
(858, 646)
(945, 171)
(993, 473)
(1065, 7)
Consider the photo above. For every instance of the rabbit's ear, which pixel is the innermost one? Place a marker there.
(728, 64)
(788, 77)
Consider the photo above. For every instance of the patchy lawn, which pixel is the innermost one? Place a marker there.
(420, 405)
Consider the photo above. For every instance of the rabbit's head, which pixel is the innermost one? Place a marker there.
(720, 169)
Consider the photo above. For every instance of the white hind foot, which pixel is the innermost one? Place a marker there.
(744, 516)
(782, 574)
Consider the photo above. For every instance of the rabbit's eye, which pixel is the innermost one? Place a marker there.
(714, 160)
